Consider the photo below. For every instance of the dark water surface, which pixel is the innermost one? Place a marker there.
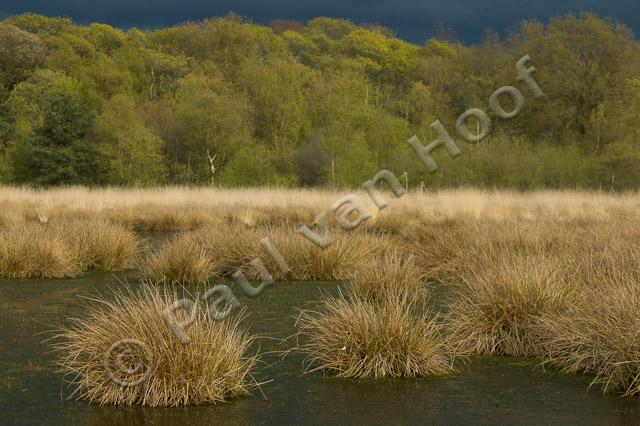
(502, 391)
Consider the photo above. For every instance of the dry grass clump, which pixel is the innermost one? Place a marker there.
(600, 335)
(181, 260)
(439, 246)
(352, 337)
(32, 250)
(348, 252)
(65, 249)
(392, 275)
(154, 369)
(448, 249)
(99, 245)
(232, 247)
(498, 308)
(228, 246)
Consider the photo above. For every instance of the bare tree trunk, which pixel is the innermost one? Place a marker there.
(333, 172)
(213, 167)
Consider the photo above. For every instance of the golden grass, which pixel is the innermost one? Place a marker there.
(65, 249)
(598, 333)
(224, 249)
(520, 264)
(351, 337)
(498, 308)
(388, 276)
(34, 251)
(214, 367)
(99, 245)
(348, 252)
(183, 208)
(181, 260)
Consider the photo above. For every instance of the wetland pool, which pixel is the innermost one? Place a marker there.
(490, 390)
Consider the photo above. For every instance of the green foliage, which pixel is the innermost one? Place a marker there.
(45, 165)
(39, 24)
(329, 103)
(250, 166)
(20, 54)
(208, 118)
(106, 38)
(129, 153)
(51, 118)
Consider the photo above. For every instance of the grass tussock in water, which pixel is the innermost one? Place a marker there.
(181, 260)
(599, 334)
(388, 276)
(65, 249)
(99, 245)
(348, 252)
(439, 246)
(352, 337)
(520, 265)
(499, 305)
(224, 249)
(34, 251)
(214, 367)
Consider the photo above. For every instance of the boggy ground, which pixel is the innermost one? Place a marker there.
(547, 274)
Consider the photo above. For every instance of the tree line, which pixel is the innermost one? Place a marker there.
(228, 102)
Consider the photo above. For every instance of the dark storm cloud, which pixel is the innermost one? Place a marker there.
(411, 19)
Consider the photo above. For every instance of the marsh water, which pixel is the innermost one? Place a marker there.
(485, 390)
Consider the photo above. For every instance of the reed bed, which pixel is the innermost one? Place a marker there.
(183, 208)
(152, 367)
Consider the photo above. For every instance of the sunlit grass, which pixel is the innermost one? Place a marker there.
(214, 367)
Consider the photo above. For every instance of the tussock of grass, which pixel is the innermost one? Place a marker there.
(214, 367)
(33, 251)
(351, 337)
(599, 335)
(180, 260)
(348, 252)
(228, 247)
(498, 308)
(232, 247)
(392, 275)
(439, 246)
(99, 245)
(65, 249)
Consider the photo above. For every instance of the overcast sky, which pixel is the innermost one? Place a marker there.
(413, 20)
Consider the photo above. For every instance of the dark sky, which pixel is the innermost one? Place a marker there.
(413, 20)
